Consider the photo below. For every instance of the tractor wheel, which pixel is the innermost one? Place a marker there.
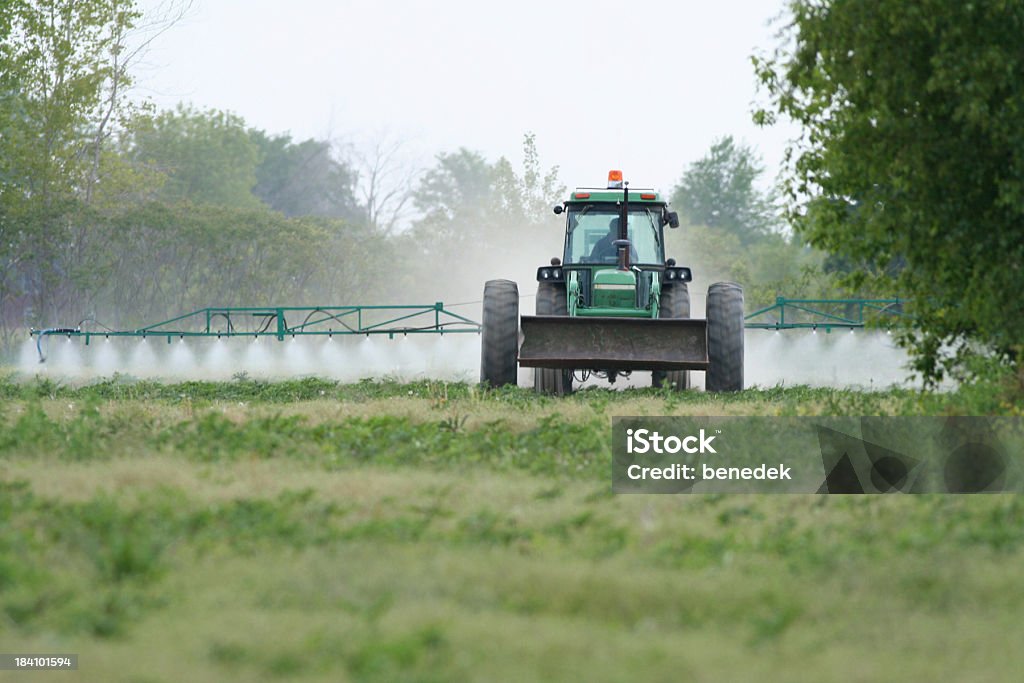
(675, 303)
(725, 337)
(500, 333)
(551, 300)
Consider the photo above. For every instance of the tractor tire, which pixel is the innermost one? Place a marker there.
(675, 303)
(551, 300)
(725, 337)
(499, 352)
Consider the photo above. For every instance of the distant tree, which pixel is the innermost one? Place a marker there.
(718, 191)
(168, 258)
(385, 182)
(454, 196)
(303, 178)
(912, 153)
(466, 197)
(206, 157)
(526, 198)
(477, 217)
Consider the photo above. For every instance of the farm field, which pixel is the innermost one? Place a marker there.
(277, 286)
(314, 531)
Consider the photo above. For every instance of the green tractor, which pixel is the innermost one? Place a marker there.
(613, 304)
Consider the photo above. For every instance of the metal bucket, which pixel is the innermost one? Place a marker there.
(613, 343)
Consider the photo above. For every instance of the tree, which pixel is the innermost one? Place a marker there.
(206, 157)
(166, 259)
(466, 196)
(912, 153)
(453, 197)
(303, 178)
(63, 78)
(718, 191)
(481, 218)
(526, 198)
(385, 182)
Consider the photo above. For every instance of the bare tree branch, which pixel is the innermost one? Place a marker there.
(386, 180)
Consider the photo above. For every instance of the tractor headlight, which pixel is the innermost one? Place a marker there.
(550, 273)
(678, 274)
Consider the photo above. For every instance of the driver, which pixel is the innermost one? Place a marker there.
(605, 248)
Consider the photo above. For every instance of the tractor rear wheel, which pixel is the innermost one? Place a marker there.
(675, 303)
(551, 300)
(725, 337)
(500, 333)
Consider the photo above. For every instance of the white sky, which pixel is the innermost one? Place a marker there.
(641, 86)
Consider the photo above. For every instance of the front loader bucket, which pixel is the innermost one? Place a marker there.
(613, 343)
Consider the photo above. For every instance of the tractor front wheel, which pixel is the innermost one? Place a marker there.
(725, 337)
(551, 300)
(675, 303)
(500, 333)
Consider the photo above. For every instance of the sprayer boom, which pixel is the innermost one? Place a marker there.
(281, 322)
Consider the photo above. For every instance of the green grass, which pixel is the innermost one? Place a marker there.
(308, 531)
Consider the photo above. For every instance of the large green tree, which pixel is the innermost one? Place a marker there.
(719, 191)
(913, 152)
(63, 78)
(205, 156)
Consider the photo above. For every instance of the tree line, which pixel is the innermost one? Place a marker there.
(114, 211)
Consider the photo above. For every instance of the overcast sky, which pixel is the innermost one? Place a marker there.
(645, 87)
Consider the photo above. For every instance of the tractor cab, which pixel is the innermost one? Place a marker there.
(591, 228)
(613, 262)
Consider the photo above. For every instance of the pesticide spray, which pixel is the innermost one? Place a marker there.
(864, 359)
(454, 358)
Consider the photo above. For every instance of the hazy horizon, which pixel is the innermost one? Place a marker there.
(597, 93)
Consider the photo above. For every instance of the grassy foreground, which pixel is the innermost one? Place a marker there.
(306, 531)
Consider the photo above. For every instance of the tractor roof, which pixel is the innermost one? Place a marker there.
(602, 194)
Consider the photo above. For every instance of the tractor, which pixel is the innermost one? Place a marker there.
(613, 303)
